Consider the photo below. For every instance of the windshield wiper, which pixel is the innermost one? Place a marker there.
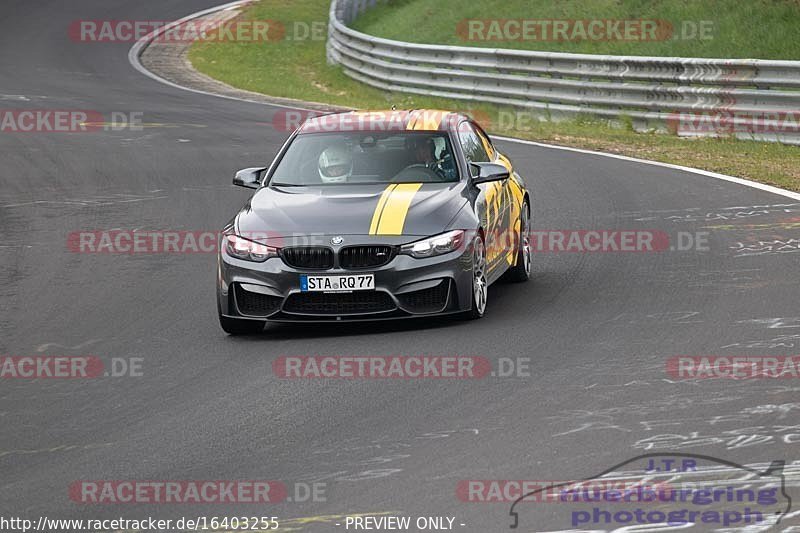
(288, 184)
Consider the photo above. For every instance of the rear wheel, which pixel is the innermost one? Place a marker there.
(522, 270)
(479, 285)
(237, 326)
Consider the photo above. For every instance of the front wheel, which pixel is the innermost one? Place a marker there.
(479, 285)
(521, 271)
(237, 326)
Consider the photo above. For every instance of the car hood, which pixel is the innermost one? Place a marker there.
(389, 211)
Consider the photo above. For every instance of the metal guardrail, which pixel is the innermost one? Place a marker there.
(749, 98)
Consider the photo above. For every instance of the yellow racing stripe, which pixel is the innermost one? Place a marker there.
(393, 215)
(376, 216)
(426, 120)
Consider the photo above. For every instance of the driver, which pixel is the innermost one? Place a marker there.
(423, 149)
(335, 163)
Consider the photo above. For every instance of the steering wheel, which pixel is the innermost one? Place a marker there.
(412, 173)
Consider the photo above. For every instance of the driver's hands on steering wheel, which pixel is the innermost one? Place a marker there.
(436, 166)
(411, 173)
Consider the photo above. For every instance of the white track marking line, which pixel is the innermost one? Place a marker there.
(725, 177)
(139, 46)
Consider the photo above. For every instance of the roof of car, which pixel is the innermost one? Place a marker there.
(386, 120)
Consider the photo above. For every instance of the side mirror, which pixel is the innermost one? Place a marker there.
(249, 177)
(489, 172)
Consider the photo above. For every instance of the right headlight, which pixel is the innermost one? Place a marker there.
(242, 248)
(436, 245)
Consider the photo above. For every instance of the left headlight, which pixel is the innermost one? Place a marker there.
(436, 245)
(242, 248)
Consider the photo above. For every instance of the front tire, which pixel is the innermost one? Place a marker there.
(521, 271)
(479, 284)
(237, 326)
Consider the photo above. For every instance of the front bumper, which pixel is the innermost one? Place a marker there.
(405, 287)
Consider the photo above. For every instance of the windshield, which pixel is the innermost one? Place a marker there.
(367, 157)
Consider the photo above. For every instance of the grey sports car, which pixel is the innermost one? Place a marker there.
(374, 215)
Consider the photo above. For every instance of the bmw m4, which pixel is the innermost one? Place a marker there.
(374, 215)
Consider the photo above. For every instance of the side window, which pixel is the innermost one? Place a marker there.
(486, 143)
(473, 148)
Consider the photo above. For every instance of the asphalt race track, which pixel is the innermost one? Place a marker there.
(598, 327)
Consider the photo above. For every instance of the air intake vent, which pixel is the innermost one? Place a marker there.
(430, 300)
(255, 304)
(353, 303)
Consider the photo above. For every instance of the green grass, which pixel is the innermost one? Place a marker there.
(765, 29)
(292, 68)
(298, 69)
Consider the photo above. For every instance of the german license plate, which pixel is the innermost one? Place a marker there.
(337, 283)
